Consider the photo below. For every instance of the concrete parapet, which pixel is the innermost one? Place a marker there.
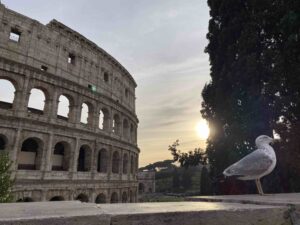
(178, 213)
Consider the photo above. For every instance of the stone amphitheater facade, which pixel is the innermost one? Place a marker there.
(61, 157)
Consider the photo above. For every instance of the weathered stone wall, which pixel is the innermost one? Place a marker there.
(59, 61)
(146, 181)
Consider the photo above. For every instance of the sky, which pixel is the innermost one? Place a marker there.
(161, 43)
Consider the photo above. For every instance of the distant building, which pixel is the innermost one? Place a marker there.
(146, 181)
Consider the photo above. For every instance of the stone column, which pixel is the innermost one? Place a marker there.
(75, 158)
(21, 98)
(94, 161)
(121, 164)
(15, 150)
(109, 164)
(47, 157)
(95, 119)
(53, 106)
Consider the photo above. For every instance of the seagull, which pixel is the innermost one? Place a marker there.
(257, 164)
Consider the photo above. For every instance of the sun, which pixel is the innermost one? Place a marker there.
(202, 129)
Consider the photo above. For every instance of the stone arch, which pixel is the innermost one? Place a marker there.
(7, 93)
(104, 119)
(57, 198)
(116, 162)
(141, 188)
(3, 142)
(84, 113)
(102, 161)
(131, 164)
(36, 101)
(84, 160)
(125, 128)
(114, 198)
(131, 132)
(124, 197)
(82, 197)
(116, 126)
(61, 156)
(64, 106)
(30, 156)
(100, 199)
(86, 116)
(125, 163)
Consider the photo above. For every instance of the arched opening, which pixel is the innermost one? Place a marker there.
(29, 157)
(130, 196)
(125, 163)
(82, 198)
(114, 198)
(7, 94)
(124, 197)
(125, 128)
(141, 188)
(104, 123)
(106, 77)
(63, 108)
(116, 124)
(101, 198)
(36, 103)
(3, 142)
(57, 198)
(84, 113)
(26, 199)
(131, 164)
(102, 161)
(126, 93)
(116, 162)
(136, 165)
(101, 120)
(60, 158)
(84, 159)
(131, 132)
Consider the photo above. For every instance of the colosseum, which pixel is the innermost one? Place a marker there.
(70, 126)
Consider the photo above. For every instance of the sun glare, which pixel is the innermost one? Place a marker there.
(202, 129)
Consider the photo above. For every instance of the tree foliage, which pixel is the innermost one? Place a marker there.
(187, 159)
(255, 83)
(167, 164)
(5, 182)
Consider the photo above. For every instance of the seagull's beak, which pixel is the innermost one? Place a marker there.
(275, 141)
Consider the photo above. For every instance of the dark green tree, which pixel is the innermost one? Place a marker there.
(175, 180)
(160, 164)
(186, 179)
(187, 159)
(254, 89)
(205, 183)
(5, 182)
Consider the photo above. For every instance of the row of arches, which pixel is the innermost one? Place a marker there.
(101, 198)
(38, 102)
(30, 157)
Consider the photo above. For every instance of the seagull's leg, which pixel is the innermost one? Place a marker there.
(257, 186)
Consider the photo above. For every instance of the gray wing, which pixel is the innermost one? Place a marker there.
(254, 164)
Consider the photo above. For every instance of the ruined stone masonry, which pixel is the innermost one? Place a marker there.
(56, 154)
(146, 182)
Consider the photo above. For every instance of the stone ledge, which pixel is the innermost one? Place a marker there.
(178, 213)
(269, 199)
